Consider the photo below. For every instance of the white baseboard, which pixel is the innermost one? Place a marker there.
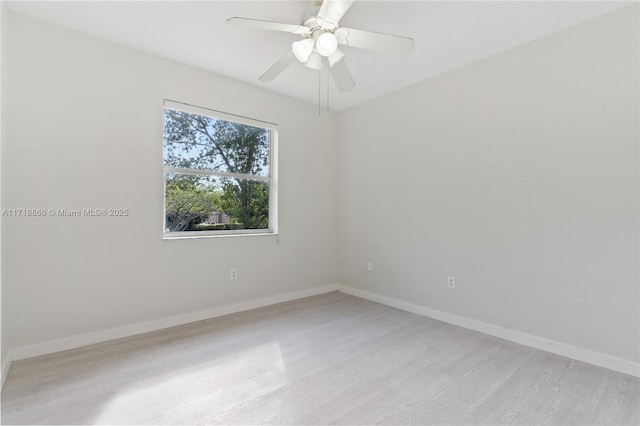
(79, 340)
(569, 351)
(581, 354)
(6, 365)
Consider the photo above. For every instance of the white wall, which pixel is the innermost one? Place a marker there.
(4, 330)
(84, 130)
(519, 176)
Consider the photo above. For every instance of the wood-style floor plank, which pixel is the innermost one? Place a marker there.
(329, 359)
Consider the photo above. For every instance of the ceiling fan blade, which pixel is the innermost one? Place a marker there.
(386, 43)
(342, 76)
(332, 11)
(278, 67)
(268, 25)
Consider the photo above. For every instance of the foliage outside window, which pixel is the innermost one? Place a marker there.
(218, 173)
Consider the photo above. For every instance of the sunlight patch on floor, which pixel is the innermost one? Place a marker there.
(201, 390)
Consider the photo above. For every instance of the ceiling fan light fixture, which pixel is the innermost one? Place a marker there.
(314, 62)
(336, 57)
(302, 49)
(326, 44)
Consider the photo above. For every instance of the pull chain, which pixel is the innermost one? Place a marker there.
(319, 90)
(328, 72)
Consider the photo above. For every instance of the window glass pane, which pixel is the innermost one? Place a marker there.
(213, 203)
(195, 141)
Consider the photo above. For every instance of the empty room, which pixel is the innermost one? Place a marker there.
(320, 212)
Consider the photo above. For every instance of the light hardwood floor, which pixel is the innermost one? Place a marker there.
(330, 359)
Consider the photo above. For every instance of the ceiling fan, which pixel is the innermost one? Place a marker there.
(321, 34)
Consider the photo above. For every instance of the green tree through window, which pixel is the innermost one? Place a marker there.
(217, 173)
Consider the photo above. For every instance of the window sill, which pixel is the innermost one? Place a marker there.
(179, 236)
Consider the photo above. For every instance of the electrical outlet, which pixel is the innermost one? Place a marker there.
(234, 275)
(451, 282)
(369, 266)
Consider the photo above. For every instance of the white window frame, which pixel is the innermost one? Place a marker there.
(271, 179)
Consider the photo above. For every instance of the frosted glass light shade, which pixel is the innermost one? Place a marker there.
(326, 44)
(302, 49)
(314, 62)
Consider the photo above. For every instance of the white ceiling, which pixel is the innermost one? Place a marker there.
(447, 35)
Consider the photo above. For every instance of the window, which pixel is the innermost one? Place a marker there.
(218, 173)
